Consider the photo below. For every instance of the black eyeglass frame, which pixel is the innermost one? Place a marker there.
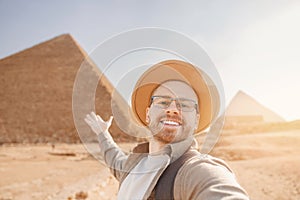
(176, 101)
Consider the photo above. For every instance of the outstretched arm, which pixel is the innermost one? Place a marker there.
(113, 156)
(206, 177)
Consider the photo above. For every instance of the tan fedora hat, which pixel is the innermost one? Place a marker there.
(173, 70)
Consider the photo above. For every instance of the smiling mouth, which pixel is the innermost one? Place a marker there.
(170, 123)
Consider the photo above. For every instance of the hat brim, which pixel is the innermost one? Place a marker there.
(172, 70)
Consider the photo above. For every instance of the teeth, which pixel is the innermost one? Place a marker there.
(170, 123)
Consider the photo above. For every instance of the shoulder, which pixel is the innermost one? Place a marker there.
(204, 161)
(203, 167)
(206, 177)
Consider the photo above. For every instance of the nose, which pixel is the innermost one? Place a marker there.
(172, 109)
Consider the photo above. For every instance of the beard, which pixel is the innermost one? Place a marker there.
(166, 134)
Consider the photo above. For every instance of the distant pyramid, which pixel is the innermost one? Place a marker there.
(246, 109)
(36, 88)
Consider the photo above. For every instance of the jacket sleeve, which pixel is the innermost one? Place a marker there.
(207, 178)
(112, 154)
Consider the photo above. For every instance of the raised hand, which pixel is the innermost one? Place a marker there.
(97, 124)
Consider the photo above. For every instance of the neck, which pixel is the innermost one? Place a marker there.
(155, 145)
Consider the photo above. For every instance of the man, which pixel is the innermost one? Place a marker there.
(174, 102)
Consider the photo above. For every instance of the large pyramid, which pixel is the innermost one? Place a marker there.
(245, 109)
(36, 87)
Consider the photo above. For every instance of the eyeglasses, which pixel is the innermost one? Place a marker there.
(182, 104)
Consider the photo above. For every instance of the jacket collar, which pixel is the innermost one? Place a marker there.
(174, 150)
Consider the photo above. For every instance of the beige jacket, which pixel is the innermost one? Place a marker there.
(203, 177)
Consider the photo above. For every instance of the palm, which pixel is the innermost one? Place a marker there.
(97, 124)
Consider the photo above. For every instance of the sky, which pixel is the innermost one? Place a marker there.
(254, 44)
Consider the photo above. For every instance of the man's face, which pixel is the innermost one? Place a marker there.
(177, 121)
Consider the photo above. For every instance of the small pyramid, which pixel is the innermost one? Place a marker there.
(244, 108)
(36, 87)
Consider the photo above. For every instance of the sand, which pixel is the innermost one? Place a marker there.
(266, 165)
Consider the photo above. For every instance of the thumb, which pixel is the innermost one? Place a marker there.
(110, 120)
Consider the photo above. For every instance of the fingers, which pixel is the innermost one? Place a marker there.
(96, 123)
(88, 119)
(109, 121)
(92, 117)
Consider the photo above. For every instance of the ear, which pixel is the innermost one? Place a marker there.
(147, 115)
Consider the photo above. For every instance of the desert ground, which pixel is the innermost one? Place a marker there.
(266, 165)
